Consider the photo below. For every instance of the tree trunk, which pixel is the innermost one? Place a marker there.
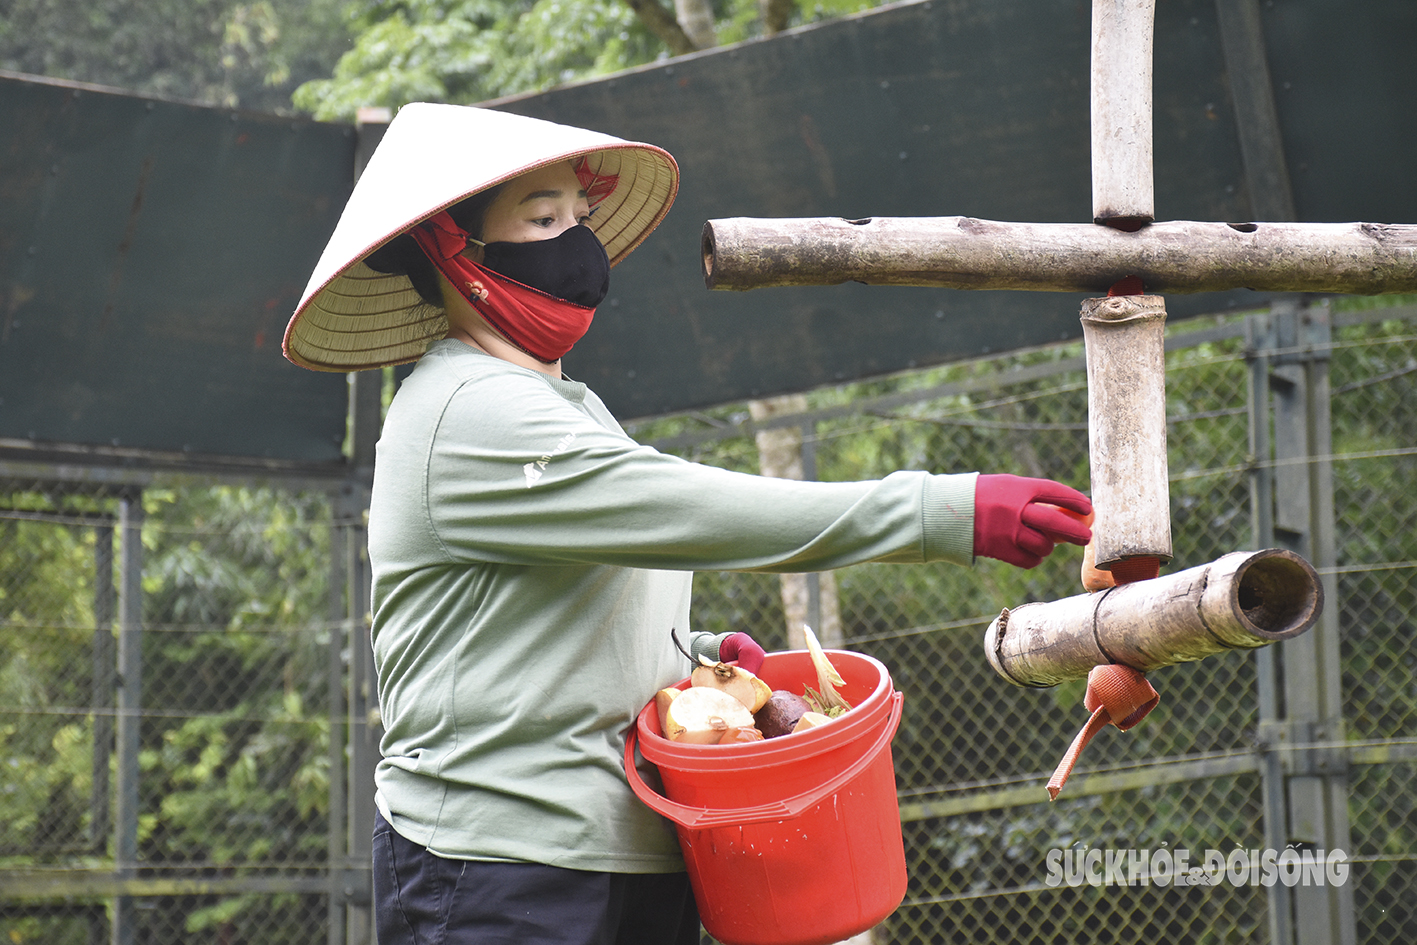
(696, 17)
(965, 253)
(775, 14)
(780, 456)
(659, 22)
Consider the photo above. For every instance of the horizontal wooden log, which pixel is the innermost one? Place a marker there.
(966, 253)
(1243, 600)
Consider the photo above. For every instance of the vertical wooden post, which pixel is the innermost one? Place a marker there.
(1123, 191)
(790, 452)
(1126, 410)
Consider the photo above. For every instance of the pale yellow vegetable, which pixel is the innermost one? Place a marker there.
(825, 699)
(811, 720)
(702, 714)
(734, 680)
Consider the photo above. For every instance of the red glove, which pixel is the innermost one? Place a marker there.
(741, 647)
(1018, 520)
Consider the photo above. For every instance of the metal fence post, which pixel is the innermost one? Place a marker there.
(337, 841)
(1305, 787)
(352, 508)
(365, 394)
(129, 705)
(363, 725)
(100, 821)
(1261, 341)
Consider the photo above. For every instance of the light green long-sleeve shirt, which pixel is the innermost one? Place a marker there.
(529, 561)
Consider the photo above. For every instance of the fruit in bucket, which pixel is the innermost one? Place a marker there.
(781, 713)
(811, 720)
(726, 704)
(734, 680)
(661, 706)
(735, 736)
(702, 715)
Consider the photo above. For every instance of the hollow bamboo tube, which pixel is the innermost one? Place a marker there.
(1243, 600)
(1126, 410)
(1123, 191)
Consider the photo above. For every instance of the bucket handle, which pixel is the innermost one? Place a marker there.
(699, 818)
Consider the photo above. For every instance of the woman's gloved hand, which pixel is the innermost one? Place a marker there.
(743, 648)
(1019, 520)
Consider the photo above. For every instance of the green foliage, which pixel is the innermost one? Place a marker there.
(235, 593)
(468, 51)
(225, 52)
(46, 618)
(235, 735)
(330, 57)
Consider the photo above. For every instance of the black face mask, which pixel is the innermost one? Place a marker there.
(572, 266)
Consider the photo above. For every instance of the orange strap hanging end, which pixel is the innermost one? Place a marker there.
(1116, 695)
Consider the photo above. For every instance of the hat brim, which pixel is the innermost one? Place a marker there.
(433, 156)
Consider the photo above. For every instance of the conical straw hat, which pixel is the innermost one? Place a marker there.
(431, 157)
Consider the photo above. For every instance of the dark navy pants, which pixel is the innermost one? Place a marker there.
(423, 899)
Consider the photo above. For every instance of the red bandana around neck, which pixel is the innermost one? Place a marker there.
(542, 325)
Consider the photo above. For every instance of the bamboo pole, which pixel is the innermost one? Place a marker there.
(1243, 600)
(1123, 189)
(967, 253)
(1126, 408)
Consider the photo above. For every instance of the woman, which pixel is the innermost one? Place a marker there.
(530, 560)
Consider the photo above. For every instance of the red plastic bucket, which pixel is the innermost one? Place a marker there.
(793, 840)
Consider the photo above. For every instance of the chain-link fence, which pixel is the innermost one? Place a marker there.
(164, 714)
(1230, 758)
(182, 718)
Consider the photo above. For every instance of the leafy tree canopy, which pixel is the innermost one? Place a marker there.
(224, 52)
(334, 56)
(468, 51)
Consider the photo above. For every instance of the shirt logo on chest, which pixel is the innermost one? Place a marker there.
(537, 468)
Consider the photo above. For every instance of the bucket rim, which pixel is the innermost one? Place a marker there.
(865, 715)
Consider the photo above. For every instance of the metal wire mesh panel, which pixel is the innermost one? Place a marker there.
(211, 801)
(227, 766)
(1374, 391)
(969, 744)
(979, 877)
